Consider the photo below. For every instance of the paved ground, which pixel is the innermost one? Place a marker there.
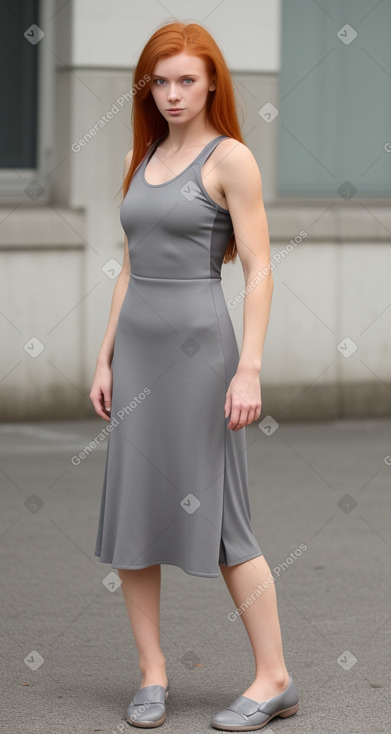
(69, 659)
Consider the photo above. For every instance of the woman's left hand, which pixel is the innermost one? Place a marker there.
(243, 400)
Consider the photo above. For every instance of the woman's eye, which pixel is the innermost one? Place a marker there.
(157, 82)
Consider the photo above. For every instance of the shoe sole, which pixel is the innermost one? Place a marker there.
(286, 712)
(147, 724)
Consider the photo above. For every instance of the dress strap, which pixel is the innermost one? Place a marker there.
(151, 149)
(209, 148)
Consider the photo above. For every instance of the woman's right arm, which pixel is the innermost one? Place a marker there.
(102, 383)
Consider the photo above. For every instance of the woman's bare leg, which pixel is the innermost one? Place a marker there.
(141, 590)
(260, 619)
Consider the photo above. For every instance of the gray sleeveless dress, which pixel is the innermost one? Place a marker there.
(175, 483)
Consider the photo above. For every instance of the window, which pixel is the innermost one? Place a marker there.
(335, 99)
(24, 76)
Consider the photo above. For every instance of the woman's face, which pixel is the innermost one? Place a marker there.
(180, 82)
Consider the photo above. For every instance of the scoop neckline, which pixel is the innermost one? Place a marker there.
(165, 183)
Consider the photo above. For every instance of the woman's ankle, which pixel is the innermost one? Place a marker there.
(150, 669)
(279, 678)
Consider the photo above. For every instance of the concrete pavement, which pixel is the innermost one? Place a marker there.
(69, 658)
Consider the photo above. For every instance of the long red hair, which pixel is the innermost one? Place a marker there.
(148, 124)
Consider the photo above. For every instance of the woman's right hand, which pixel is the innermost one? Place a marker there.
(101, 390)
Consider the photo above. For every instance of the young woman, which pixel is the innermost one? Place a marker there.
(169, 376)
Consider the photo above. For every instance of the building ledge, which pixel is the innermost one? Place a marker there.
(330, 221)
(51, 227)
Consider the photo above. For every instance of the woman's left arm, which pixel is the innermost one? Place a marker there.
(242, 185)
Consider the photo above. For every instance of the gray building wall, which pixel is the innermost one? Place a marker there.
(326, 354)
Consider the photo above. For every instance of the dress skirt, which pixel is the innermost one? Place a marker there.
(175, 484)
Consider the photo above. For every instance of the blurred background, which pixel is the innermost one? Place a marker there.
(313, 96)
(312, 83)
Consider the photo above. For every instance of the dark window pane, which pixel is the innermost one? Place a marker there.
(18, 85)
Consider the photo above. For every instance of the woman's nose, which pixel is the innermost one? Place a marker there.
(173, 93)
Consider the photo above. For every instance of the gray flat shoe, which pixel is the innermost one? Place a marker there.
(147, 708)
(244, 714)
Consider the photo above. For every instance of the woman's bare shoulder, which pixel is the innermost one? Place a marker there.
(235, 159)
(234, 150)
